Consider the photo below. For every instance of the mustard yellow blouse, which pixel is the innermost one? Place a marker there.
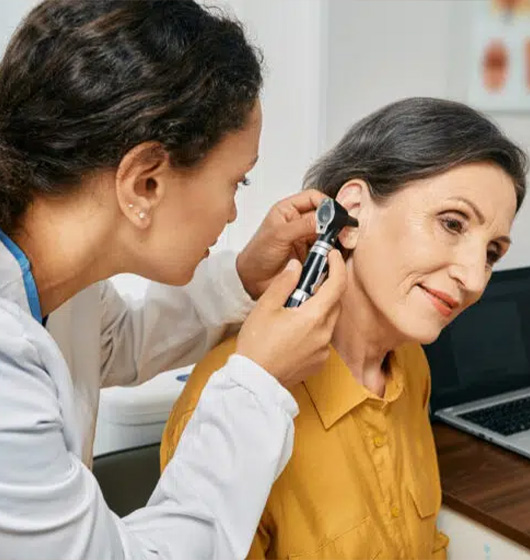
(363, 479)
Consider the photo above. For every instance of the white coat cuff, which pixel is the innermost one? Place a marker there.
(259, 381)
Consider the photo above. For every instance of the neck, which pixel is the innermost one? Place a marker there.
(363, 337)
(69, 248)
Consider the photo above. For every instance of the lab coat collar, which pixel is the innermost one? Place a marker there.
(16, 280)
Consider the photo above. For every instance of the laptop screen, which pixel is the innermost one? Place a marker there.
(486, 350)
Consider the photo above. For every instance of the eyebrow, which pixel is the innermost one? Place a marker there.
(477, 212)
(480, 217)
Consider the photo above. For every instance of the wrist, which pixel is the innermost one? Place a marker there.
(244, 273)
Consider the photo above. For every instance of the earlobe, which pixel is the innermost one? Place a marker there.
(348, 237)
(140, 182)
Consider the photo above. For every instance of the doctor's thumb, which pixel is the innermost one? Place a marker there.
(282, 286)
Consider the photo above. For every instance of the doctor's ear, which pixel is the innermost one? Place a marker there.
(352, 195)
(141, 181)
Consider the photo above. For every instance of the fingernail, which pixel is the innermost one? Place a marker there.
(292, 265)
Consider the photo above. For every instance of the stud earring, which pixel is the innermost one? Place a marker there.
(130, 205)
(142, 215)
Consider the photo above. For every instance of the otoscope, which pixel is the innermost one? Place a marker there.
(331, 218)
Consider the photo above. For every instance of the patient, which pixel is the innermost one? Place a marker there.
(435, 187)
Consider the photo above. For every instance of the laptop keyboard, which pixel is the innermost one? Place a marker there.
(506, 418)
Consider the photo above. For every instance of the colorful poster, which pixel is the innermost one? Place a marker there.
(500, 72)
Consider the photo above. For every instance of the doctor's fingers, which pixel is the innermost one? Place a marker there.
(281, 287)
(297, 204)
(301, 229)
(332, 289)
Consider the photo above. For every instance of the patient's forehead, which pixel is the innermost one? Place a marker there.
(487, 186)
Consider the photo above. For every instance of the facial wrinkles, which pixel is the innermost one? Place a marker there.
(469, 249)
(417, 247)
(403, 244)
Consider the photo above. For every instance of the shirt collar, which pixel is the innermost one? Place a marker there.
(335, 392)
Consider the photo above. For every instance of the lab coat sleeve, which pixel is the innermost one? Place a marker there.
(208, 501)
(172, 326)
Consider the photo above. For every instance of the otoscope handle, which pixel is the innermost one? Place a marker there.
(313, 272)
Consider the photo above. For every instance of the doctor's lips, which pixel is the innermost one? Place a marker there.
(207, 252)
(443, 302)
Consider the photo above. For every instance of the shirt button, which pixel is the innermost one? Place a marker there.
(395, 511)
(379, 441)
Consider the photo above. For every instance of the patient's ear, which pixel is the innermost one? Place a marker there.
(352, 195)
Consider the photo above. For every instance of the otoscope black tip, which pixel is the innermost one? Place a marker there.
(352, 222)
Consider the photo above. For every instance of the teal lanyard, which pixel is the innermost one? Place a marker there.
(27, 276)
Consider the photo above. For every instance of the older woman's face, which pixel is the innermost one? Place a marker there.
(425, 254)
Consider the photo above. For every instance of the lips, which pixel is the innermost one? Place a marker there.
(443, 302)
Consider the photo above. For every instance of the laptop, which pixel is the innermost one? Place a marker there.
(480, 365)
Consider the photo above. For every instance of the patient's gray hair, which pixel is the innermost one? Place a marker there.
(414, 139)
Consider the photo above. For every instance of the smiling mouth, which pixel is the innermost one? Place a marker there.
(444, 303)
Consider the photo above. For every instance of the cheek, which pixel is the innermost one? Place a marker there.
(210, 215)
(221, 207)
(385, 251)
(395, 255)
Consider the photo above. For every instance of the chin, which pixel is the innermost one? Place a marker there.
(428, 339)
(426, 335)
(421, 332)
(180, 279)
(173, 273)
(171, 277)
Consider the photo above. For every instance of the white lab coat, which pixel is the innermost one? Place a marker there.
(209, 499)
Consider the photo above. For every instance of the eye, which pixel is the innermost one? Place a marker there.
(492, 256)
(453, 224)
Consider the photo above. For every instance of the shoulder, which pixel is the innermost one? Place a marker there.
(20, 334)
(28, 390)
(213, 361)
(11, 318)
(188, 400)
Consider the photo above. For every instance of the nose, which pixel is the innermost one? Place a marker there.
(470, 272)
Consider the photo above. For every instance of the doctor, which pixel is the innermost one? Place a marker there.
(126, 127)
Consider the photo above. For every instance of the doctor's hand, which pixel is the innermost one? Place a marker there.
(293, 343)
(287, 232)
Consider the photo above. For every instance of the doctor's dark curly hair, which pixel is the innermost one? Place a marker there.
(84, 81)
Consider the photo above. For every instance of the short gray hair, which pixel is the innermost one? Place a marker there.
(414, 139)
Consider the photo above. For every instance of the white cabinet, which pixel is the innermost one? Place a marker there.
(472, 541)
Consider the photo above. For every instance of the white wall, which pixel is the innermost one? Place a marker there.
(290, 34)
(12, 13)
(383, 50)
